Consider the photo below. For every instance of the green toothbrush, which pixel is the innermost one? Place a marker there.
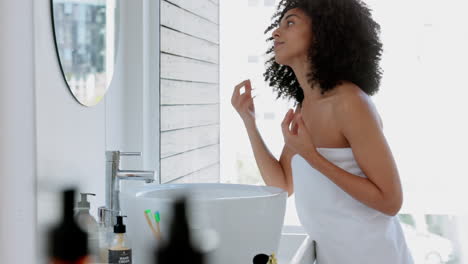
(157, 217)
(150, 224)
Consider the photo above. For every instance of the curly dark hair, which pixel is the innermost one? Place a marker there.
(345, 46)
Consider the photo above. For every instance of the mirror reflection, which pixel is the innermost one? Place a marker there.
(85, 36)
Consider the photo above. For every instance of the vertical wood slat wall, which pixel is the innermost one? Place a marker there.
(190, 91)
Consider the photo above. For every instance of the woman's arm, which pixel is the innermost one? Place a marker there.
(269, 167)
(359, 122)
(274, 173)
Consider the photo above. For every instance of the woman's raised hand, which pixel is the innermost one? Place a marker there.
(243, 103)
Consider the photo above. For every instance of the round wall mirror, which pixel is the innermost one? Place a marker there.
(85, 34)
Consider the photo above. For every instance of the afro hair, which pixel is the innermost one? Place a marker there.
(345, 46)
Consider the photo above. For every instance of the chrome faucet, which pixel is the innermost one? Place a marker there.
(114, 174)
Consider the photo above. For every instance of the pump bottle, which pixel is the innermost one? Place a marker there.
(88, 223)
(120, 251)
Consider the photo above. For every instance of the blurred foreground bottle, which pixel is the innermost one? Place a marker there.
(178, 248)
(68, 242)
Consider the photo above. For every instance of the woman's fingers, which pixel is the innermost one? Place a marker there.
(236, 92)
(236, 96)
(294, 127)
(243, 103)
(245, 99)
(248, 87)
(286, 122)
(296, 118)
(294, 123)
(300, 122)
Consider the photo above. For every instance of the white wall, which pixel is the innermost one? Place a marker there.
(17, 133)
(71, 138)
(49, 139)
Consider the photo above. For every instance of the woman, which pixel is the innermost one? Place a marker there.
(336, 158)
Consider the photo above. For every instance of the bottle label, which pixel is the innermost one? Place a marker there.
(120, 256)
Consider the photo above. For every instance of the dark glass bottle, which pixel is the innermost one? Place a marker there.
(178, 248)
(68, 243)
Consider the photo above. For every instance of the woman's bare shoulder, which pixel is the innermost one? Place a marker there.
(349, 95)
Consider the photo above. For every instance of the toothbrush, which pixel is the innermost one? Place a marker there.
(150, 224)
(157, 217)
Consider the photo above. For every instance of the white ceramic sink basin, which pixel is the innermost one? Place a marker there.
(230, 222)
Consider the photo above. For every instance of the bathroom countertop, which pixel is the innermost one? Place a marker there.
(295, 246)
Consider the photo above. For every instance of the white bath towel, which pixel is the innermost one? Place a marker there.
(346, 231)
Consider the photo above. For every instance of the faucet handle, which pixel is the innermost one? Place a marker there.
(114, 155)
(106, 215)
(138, 154)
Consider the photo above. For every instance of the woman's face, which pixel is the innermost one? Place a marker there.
(294, 34)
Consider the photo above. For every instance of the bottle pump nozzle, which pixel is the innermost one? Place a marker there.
(84, 200)
(120, 228)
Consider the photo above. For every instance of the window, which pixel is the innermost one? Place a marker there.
(238, 163)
